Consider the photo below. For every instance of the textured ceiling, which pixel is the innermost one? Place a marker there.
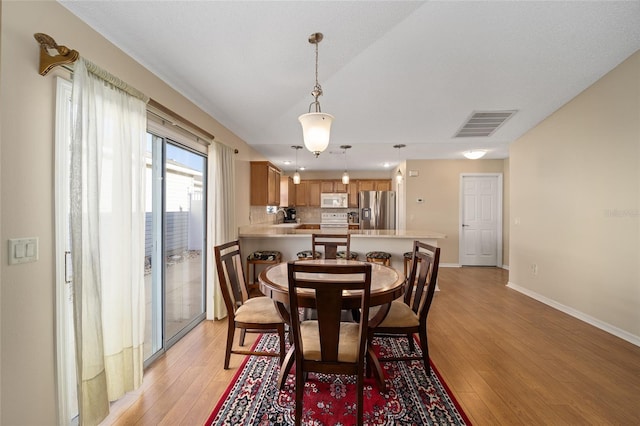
(393, 72)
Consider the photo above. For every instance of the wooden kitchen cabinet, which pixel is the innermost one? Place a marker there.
(366, 185)
(353, 193)
(313, 193)
(265, 184)
(301, 194)
(308, 193)
(374, 185)
(287, 191)
(309, 226)
(326, 186)
(338, 186)
(383, 185)
(333, 186)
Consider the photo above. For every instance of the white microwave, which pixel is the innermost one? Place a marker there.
(332, 200)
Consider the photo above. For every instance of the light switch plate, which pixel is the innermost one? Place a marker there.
(23, 250)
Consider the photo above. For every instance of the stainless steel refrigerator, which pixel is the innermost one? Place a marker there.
(377, 209)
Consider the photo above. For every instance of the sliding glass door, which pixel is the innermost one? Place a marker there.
(175, 249)
(175, 243)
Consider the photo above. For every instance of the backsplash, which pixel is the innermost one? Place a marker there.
(259, 216)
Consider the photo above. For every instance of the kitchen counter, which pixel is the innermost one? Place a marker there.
(291, 230)
(289, 240)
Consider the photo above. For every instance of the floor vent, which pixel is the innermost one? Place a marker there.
(483, 123)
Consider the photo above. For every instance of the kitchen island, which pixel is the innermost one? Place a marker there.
(289, 240)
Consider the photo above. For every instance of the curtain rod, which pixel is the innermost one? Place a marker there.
(67, 56)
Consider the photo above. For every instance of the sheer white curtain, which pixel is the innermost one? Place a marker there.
(107, 233)
(222, 218)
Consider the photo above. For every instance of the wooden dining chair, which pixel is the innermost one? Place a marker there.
(253, 314)
(330, 243)
(327, 345)
(409, 316)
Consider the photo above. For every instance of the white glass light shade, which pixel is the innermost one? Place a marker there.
(475, 154)
(345, 178)
(296, 178)
(316, 130)
(399, 176)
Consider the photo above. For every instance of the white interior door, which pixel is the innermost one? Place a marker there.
(481, 219)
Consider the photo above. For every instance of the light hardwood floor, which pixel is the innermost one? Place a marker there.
(507, 358)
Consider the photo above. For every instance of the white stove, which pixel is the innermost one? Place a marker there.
(336, 221)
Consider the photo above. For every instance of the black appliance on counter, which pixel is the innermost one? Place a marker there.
(290, 215)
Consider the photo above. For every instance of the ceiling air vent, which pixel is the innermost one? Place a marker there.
(483, 123)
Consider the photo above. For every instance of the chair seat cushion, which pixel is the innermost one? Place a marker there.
(306, 254)
(347, 349)
(342, 254)
(378, 255)
(264, 255)
(400, 315)
(259, 310)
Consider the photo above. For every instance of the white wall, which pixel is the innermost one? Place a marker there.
(575, 205)
(27, 318)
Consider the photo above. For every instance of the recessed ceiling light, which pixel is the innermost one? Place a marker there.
(302, 168)
(386, 165)
(287, 162)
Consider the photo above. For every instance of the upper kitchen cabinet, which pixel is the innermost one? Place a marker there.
(265, 184)
(287, 192)
(374, 185)
(332, 186)
(301, 194)
(353, 193)
(383, 185)
(366, 185)
(313, 193)
(308, 193)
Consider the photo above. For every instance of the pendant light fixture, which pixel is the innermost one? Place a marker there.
(296, 175)
(399, 174)
(345, 175)
(316, 126)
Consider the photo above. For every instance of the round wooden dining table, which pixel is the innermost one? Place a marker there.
(387, 284)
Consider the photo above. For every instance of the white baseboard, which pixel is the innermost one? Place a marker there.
(625, 335)
(457, 265)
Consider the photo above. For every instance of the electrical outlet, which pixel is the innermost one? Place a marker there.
(534, 268)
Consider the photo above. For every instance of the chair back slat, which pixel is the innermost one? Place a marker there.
(331, 243)
(327, 283)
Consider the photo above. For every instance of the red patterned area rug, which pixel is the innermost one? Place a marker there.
(411, 398)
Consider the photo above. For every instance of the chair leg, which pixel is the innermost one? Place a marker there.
(412, 345)
(299, 395)
(230, 334)
(360, 412)
(424, 345)
(282, 343)
(243, 332)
